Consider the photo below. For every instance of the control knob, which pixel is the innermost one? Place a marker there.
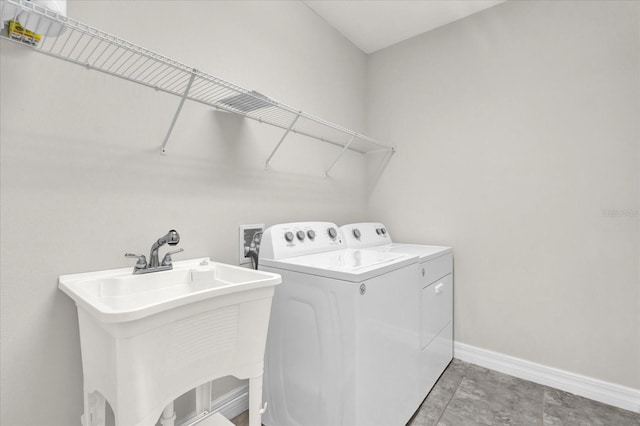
(356, 233)
(288, 236)
(384, 231)
(332, 232)
(311, 234)
(300, 235)
(379, 231)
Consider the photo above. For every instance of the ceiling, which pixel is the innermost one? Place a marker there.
(375, 24)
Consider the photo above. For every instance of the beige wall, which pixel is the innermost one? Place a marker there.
(82, 181)
(516, 128)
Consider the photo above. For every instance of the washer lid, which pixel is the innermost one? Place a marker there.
(422, 251)
(353, 265)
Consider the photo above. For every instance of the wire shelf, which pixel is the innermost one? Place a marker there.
(95, 49)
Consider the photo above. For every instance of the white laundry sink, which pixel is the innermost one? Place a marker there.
(148, 338)
(117, 295)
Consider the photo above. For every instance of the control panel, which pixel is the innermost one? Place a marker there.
(300, 238)
(365, 234)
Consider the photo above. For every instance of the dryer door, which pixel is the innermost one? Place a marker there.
(387, 357)
(436, 308)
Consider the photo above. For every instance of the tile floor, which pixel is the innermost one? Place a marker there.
(469, 395)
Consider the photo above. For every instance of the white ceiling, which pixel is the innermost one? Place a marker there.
(375, 24)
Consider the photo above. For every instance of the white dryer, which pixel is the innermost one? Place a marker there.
(342, 331)
(434, 290)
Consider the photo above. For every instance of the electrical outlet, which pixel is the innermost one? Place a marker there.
(250, 236)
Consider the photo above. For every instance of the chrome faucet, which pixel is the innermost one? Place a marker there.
(142, 267)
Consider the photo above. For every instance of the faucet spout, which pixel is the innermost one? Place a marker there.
(172, 238)
(142, 266)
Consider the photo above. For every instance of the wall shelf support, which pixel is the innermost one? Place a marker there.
(266, 164)
(326, 172)
(163, 150)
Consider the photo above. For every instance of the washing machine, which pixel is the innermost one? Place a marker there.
(433, 289)
(342, 332)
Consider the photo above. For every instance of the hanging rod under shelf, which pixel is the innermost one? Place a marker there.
(95, 49)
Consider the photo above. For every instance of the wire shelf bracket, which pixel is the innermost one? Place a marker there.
(163, 150)
(266, 164)
(326, 172)
(94, 49)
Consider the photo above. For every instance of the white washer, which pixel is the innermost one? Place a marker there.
(434, 282)
(343, 330)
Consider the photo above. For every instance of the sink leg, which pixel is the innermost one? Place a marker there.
(94, 409)
(255, 401)
(168, 415)
(203, 398)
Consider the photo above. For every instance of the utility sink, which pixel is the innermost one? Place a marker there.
(117, 295)
(148, 338)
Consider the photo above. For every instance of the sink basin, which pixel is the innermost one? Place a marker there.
(118, 295)
(147, 339)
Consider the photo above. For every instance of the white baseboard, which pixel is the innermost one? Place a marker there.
(230, 405)
(598, 390)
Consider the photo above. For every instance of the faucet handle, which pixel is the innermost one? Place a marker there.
(166, 260)
(142, 260)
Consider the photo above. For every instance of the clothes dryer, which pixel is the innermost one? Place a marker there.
(433, 286)
(342, 331)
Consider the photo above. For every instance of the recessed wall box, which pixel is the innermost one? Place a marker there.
(250, 236)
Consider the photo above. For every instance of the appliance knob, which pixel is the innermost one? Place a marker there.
(384, 231)
(332, 232)
(288, 236)
(311, 234)
(356, 233)
(300, 235)
(378, 231)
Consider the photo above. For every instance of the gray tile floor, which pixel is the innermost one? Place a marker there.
(469, 395)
